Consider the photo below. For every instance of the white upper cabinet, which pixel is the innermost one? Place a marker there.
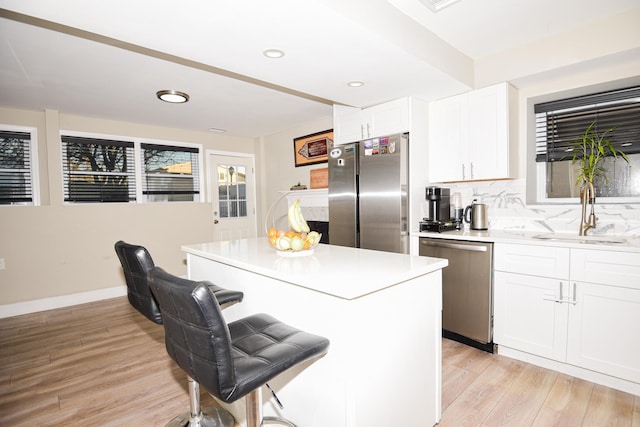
(472, 136)
(447, 132)
(353, 124)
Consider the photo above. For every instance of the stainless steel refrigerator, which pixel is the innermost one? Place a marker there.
(368, 194)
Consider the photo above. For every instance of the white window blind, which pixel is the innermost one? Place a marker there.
(16, 178)
(97, 170)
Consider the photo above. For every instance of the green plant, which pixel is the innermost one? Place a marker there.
(590, 150)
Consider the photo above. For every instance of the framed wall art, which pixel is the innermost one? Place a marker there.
(312, 149)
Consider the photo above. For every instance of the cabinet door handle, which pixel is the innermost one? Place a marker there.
(556, 297)
(560, 286)
(368, 130)
(362, 131)
(463, 176)
(471, 169)
(574, 299)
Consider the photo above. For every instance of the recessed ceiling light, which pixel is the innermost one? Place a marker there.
(172, 96)
(355, 83)
(438, 5)
(273, 53)
(217, 130)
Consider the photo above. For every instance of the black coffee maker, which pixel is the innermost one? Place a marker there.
(439, 210)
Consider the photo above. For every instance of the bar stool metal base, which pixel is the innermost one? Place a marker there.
(210, 417)
(201, 417)
(277, 420)
(254, 412)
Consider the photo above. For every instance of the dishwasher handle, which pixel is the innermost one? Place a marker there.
(447, 245)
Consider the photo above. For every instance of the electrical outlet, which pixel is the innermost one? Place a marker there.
(1, 263)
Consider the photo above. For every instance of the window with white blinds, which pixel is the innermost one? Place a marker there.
(16, 161)
(559, 123)
(98, 170)
(170, 174)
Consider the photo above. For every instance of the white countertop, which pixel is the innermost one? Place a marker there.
(343, 272)
(631, 244)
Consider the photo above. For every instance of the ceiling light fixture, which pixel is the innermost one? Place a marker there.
(273, 53)
(355, 83)
(217, 130)
(438, 5)
(172, 96)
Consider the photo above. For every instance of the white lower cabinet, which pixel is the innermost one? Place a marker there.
(604, 330)
(592, 323)
(527, 317)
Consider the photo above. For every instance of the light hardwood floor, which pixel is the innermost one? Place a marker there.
(104, 364)
(482, 389)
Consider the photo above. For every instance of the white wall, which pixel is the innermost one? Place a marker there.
(55, 249)
(278, 167)
(594, 45)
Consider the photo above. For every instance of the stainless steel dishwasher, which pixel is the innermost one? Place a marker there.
(467, 289)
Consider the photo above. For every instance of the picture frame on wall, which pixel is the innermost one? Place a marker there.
(312, 149)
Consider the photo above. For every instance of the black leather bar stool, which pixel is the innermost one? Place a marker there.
(136, 263)
(230, 361)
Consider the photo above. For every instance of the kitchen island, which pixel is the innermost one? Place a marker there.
(380, 310)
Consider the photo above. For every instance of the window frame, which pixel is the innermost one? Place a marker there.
(140, 168)
(97, 137)
(239, 202)
(137, 164)
(34, 162)
(540, 168)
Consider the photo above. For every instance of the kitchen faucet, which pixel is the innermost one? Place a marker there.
(588, 196)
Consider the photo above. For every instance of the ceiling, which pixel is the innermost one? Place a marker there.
(108, 59)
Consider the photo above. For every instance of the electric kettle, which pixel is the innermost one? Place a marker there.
(477, 215)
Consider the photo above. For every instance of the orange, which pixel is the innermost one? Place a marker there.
(273, 232)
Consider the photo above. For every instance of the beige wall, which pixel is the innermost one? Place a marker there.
(56, 249)
(278, 167)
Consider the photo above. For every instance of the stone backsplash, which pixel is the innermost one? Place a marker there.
(508, 210)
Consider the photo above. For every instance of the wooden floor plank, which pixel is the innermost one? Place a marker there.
(473, 360)
(566, 404)
(609, 408)
(524, 398)
(455, 380)
(104, 364)
(477, 401)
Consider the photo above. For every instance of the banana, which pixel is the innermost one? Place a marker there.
(303, 224)
(293, 219)
(296, 220)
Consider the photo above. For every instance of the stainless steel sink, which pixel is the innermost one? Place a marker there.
(580, 239)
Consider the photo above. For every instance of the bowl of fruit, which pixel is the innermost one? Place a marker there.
(299, 240)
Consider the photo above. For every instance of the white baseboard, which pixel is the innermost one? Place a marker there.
(17, 309)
